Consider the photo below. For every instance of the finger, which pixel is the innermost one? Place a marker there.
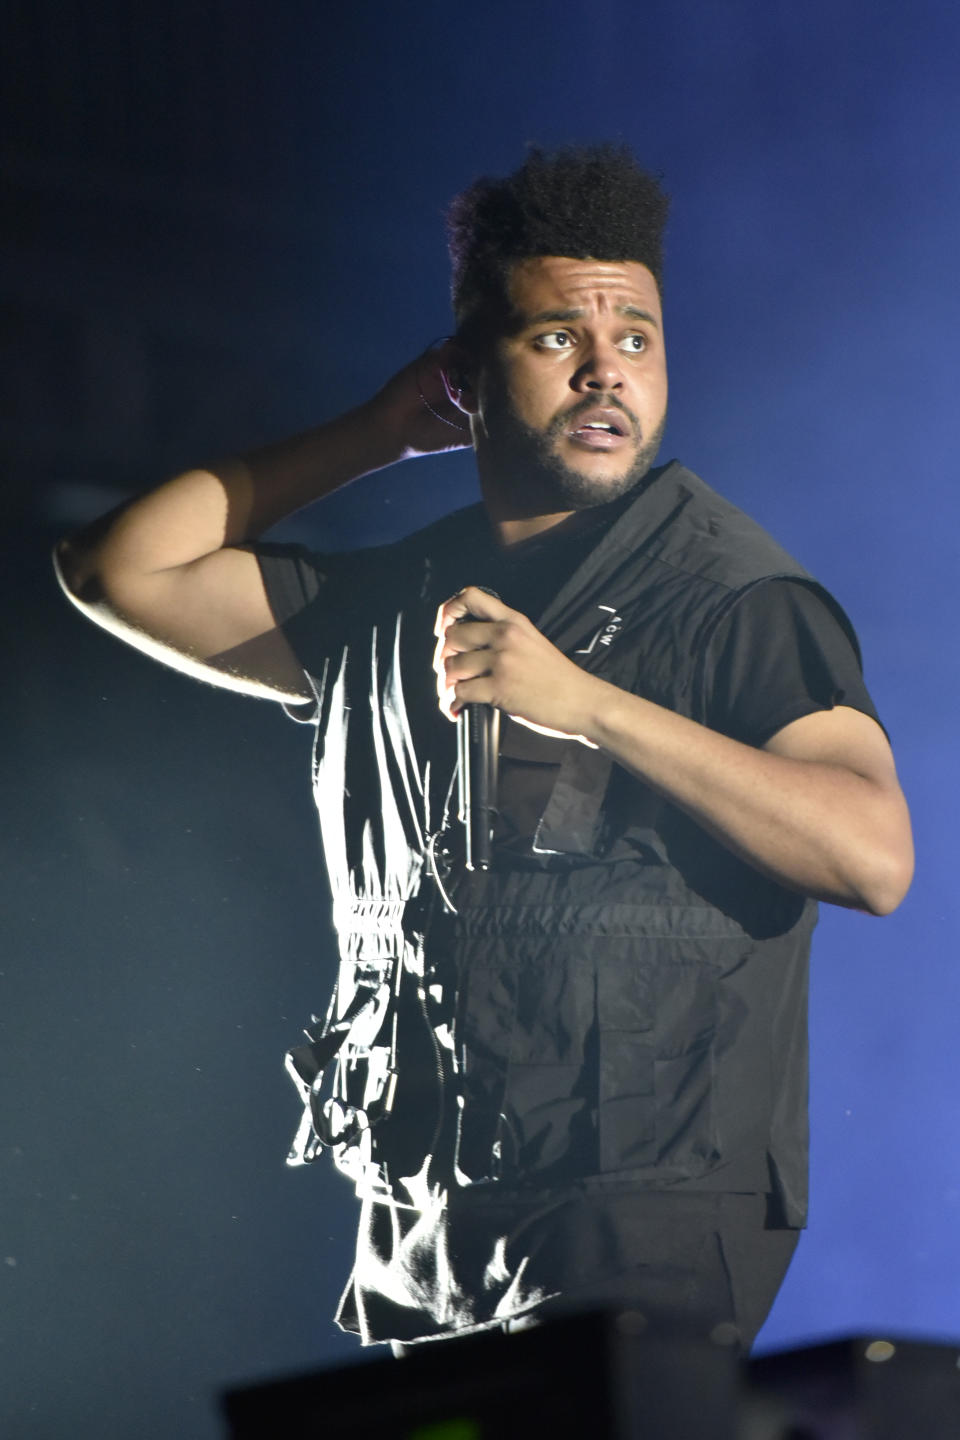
(450, 613)
(451, 354)
(452, 698)
(447, 613)
(435, 364)
(461, 638)
(447, 700)
(468, 635)
(470, 601)
(467, 666)
(478, 691)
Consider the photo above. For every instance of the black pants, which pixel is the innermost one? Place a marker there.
(692, 1265)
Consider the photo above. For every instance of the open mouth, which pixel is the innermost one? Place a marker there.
(600, 430)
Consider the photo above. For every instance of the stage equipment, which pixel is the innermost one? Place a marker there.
(579, 1377)
(603, 1377)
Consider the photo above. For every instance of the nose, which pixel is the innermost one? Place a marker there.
(600, 370)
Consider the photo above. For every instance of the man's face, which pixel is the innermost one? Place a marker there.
(571, 405)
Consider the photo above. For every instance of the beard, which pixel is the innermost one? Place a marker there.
(539, 481)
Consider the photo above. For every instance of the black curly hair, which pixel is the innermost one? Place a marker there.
(582, 201)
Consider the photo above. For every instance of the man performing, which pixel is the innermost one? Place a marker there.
(577, 1077)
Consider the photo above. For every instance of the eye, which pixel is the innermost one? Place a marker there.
(633, 344)
(555, 340)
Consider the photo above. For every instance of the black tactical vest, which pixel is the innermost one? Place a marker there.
(626, 1006)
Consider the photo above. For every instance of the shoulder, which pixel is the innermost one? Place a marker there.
(782, 604)
(711, 537)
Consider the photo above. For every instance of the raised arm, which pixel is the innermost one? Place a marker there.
(170, 572)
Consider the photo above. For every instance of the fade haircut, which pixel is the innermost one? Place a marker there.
(585, 202)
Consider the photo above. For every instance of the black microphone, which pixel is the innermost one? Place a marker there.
(478, 755)
(478, 750)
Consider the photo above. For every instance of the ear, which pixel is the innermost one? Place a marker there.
(458, 369)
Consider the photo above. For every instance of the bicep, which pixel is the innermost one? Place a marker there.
(840, 736)
(863, 791)
(209, 618)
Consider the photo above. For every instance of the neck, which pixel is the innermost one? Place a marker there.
(513, 521)
(510, 530)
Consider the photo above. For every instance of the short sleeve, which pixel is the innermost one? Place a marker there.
(292, 577)
(319, 599)
(780, 654)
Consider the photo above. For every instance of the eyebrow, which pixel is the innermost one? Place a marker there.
(560, 317)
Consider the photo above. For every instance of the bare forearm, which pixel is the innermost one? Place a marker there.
(819, 808)
(271, 483)
(203, 510)
(817, 827)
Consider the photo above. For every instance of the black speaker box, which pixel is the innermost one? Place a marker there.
(601, 1376)
(592, 1375)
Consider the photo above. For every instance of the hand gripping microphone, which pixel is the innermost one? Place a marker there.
(478, 754)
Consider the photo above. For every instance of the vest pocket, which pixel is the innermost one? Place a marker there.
(526, 1017)
(656, 1042)
(590, 1054)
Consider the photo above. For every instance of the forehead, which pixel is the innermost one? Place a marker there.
(554, 282)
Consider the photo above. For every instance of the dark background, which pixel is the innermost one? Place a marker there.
(224, 222)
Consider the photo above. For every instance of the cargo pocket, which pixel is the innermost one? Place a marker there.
(626, 1014)
(657, 1028)
(686, 1132)
(549, 1108)
(529, 1110)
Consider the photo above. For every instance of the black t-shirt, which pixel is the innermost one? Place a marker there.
(780, 654)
